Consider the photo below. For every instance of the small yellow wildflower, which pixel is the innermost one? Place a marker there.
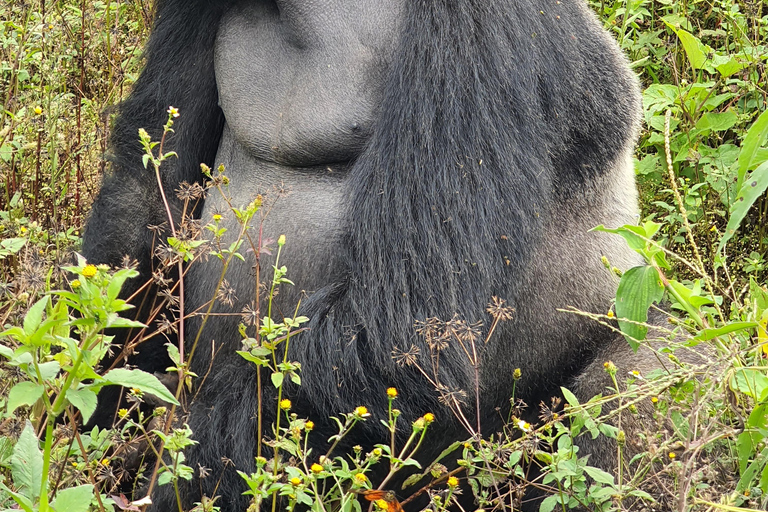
(382, 504)
(136, 391)
(392, 392)
(281, 240)
(517, 374)
(429, 417)
(74, 464)
(173, 111)
(261, 461)
(23, 230)
(122, 413)
(295, 481)
(75, 284)
(377, 452)
(654, 399)
(610, 367)
(105, 462)
(316, 468)
(524, 425)
(89, 271)
(38, 110)
(309, 425)
(285, 404)
(216, 217)
(635, 373)
(362, 412)
(610, 314)
(361, 478)
(672, 455)
(453, 482)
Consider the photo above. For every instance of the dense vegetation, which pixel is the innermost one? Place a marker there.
(703, 66)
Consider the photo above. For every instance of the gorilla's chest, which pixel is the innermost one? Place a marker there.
(300, 82)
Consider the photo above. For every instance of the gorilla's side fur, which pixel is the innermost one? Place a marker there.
(502, 132)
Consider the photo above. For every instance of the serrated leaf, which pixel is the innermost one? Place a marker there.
(27, 463)
(84, 400)
(24, 393)
(141, 380)
(638, 289)
(74, 499)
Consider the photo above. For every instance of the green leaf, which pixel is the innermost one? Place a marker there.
(27, 463)
(598, 475)
(694, 48)
(49, 370)
(34, 316)
(751, 144)
(709, 334)
(638, 289)
(752, 382)
(85, 401)
(570, 397)
(143, 381)
(24, 393)
(277, 379)
(717, 122)
(74, 499)
(6, 352)
(753, 188)
(549, 503)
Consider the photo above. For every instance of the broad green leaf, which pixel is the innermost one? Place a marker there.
(695, 50)
(49, 370)
(24, 393)
(27, 463)
(751, 144)
(570, 397)
(753, 188)
(752, 382)
(549, 503)
(74, 499)
(727, 65)
(717, 122)
(277, 379)
(140, 380)
(34, 316)
(117, 280)
(708, 334)
(638, 289)
(598, 475)
(85, 401)
(11, 246)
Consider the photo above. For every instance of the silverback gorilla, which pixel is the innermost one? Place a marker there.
(437, 153)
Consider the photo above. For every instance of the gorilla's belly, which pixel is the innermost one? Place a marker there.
(302, 203)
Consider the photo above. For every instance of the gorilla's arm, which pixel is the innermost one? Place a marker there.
(179, 72)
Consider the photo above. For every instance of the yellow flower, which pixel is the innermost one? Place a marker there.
(295, 481)
(453, 482)
(672, 455)
(122, 413)
(377, 452)
(75, 284)
(281, 240)
(429, 417)
(309, 425)
(89, 271)
(316, 468)
(382, 504)
(105, 462)
(285, 404)
(216, 217)
(361, 478)
(173, 111)
(609, 314)
(361, 412)
(517, 374)
(524, 425)
(654, 399)
(392, 392)
(38, 110)
(136, 391)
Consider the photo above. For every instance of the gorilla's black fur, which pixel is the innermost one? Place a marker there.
(503, 134)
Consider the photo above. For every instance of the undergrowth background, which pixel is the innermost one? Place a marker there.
(65, 64)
